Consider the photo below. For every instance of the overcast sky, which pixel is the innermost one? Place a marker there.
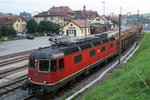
(35, 6)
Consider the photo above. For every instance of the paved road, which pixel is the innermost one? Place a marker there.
(23, 45)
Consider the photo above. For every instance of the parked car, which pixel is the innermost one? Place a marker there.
(30, 37)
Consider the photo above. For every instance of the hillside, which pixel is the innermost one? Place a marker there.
(131, 82)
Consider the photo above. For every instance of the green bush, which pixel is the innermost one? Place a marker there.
(4, 38)
(6, 30)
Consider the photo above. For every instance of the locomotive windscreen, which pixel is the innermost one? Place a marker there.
(32, 63)
(44, 65)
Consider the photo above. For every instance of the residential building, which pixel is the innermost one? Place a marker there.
(114, 20)
(65, 10)
(97, 28)
(18, 23)
(56, 18)
(59, 15)
(100, 19)
(76, 28)
(26, 15)
(3, 15)
(89, 14)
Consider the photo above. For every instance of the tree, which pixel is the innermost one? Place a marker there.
(6, 30)
(31, 26)
(48, 26)
(55, 27)
(42, 26)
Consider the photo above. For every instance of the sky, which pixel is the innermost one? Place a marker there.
(111, 6)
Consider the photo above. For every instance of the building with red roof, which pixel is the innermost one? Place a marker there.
(89, 14)
(58, 15)
(76, 28)
(17, 22)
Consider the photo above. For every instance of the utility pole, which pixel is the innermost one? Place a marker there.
(85, 20)
(119, 38)
(137, 24)
(103, 8)
(120, 10)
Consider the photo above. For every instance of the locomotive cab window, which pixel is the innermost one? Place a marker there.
(44, 65)
(32, 63)
(53, 66)
(103, 49)
(111, 45)
(61, 63)
(92, 53)
(77, 58)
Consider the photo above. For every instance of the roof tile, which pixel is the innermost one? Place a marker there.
(80, 23)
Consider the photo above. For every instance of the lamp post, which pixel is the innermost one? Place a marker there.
(119, 38)
(85, 20)
(103, 8)
(137, 24)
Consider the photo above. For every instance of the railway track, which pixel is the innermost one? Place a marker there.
(12, 85)
(16, 54)
(15, 60)
(10, 71)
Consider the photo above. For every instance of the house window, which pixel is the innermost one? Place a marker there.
(71, 31)
(61, 63)
(98, 19)
(61, 18)
(88, 30)
(111, 45)
(22, 20)
(103, 49)
(52, 18)
(16, 25)
(77, 58)
(71, 25)
(92, 53)
(45, 18)
(81, 31)
(23, 25)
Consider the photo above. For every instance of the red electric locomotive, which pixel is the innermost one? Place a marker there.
(52, 67)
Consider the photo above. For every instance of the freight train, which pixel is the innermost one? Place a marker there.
(52, 67)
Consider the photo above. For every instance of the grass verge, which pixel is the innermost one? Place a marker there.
(131, 82)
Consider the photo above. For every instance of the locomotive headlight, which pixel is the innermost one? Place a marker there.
(36, 60)
(29, 78)
(44, 81)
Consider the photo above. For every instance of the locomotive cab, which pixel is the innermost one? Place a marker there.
(40, 70)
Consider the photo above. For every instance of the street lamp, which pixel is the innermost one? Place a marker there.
(103, 8)
(85, 20)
